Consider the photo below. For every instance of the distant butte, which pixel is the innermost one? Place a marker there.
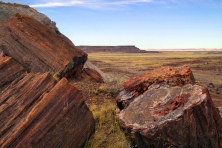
(125, 49)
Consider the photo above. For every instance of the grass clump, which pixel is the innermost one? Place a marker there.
(110, 88)
(108, 133)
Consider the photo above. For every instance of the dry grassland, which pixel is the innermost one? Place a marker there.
(206, 67)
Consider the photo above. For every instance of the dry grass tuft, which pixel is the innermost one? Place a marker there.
(110, 88)
(108, 133)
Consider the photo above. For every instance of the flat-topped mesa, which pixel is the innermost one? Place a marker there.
(38, 48)
(179, 116)
(136, 86)
(126, 49)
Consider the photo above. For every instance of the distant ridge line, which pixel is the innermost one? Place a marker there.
(120, 48)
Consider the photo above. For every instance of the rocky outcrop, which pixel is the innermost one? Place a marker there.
(9, 9)
(127, 49)
(164, 108)
(136, 86)
(38, 48)
(36, 111)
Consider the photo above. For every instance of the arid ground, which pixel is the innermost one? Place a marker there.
(206, 67)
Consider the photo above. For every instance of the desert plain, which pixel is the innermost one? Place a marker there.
(205, 65)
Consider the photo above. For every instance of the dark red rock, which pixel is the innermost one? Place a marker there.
(9, 70)
(90, 74)
(38, 48)
(170, 112)
(35, 111)
(136, 86)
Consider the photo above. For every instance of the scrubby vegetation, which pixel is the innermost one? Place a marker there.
(108, 133)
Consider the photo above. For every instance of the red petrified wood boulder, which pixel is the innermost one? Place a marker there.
(36, 111)
(39, 49)
(136, 86)
(169, 111)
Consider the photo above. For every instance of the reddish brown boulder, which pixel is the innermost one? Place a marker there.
(38, 48)
(9, 70)
(35, 111)
(90, 74)
(136, 86)
(170, 114)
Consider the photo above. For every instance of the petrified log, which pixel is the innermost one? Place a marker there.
(9, 70)
(35, 111)
(172, 114)
(136, 86)
(38, 48)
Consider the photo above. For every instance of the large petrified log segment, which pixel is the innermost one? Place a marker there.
(136, 86)
(178, 116)
(9, 70)
(38, 48)
(37, 112)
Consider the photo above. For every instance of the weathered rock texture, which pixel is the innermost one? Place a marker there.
(9, 70)
(136, 86)
(9, 9)
(38, 48)
(127, 49)
(35, 111)
(170, 113)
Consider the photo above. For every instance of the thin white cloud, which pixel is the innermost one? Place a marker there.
(110, 3)
(58, 3)
(87, 3)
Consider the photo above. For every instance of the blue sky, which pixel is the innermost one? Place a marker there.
(145, 23)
